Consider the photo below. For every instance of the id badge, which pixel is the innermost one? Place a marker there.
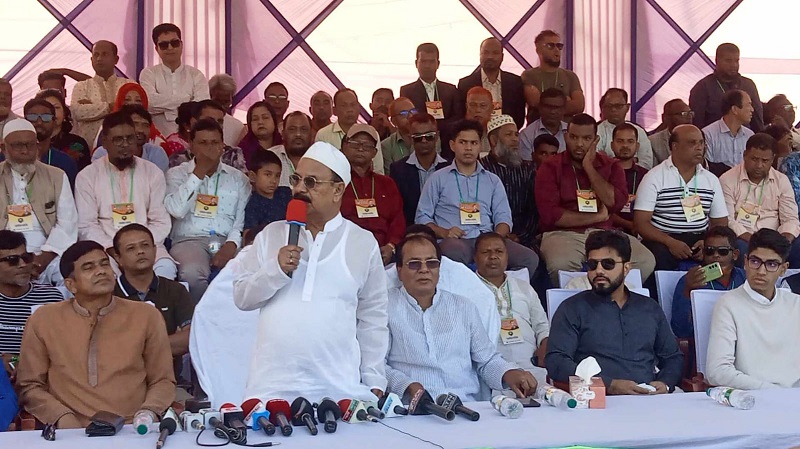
(366, 208)
(20, 218)
(206, 206)
(692, 208)
(587, 202)
(435, 109)
(747, 216)
(510, 333)
(497, 109)
(470, 213)
(122, 214)
(628, 207)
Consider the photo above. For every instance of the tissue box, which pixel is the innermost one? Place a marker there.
(588, 396)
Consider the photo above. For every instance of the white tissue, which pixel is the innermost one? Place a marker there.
(587, 369)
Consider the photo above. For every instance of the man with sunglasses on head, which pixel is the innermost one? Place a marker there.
(411, 172)
(719, 246)
(171, 83)
(676, 112)
(42, 116)
(614, 106)
(400, 144)
(758, 196)
(206, 199)
(549, 75)
(36, 200)
(752, 344)
(437, 340)
(19, 297)
(372, 200)
(627, 333)
(323, 325)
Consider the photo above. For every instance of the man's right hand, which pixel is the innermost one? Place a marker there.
(289, 258)
(621, 386)
(679, 249)
(454, 233)
(695, 278)
(68, 421)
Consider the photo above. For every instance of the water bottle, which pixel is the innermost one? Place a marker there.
(730, 396)
(554, 396)
(507, 406)
(143, 422)
(214, 242)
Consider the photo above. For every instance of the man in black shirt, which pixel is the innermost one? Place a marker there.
(625, 332)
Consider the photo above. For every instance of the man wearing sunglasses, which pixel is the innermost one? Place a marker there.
(615, 106)
(437, 340)
(399, 143)
(36, 200)
(754, 333)
(676, 112)
(411, 172)
(171, 83)
(19, 297)
(322, 328)
(549, 75)
(626, 333)
(42, 116)
(719, 246)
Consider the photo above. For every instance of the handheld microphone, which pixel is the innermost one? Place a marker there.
(392, 406)
(303, 415)
(211, 418)
(232, 416)
(422, 404)
(167, 427)
(328, 412)
(296, 217)
(373, 410)
(278, 412)
(256, 416)
(354, 411)
(452, 402)
(192, 422)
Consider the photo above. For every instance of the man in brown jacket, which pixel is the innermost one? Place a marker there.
(94, 352)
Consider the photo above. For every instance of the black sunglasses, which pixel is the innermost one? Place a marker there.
(721, 250)
(427, 137)
(607, 264)
(175, 43)
(14, 259)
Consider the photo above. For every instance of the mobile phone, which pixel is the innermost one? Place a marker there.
(712, 271)
(529, 402)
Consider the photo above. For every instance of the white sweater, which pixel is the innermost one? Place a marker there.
(754, 342)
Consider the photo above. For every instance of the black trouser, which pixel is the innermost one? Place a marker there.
(665, 261)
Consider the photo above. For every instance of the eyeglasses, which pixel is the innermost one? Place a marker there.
(46, 117)
(552, 45)
(721, 250)
(406, 113)
(357, 145)
(14, 259)
(607, 264)
(788, 107)
(424, 137)
(684, 114)
(756, 263)
(123, 140)
(430, 264)
(277, 97)
(23, 146)
(309, 181)
(174, 43)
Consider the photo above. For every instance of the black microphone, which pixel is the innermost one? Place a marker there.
(422, 404)
(296, 217)
(303, 415)
(392, 405)
(328, 412)
(372, 410)
(167, 427)
(451, 401)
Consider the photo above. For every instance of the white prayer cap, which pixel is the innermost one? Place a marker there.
(327, 155)
(498, 121)
(18, 124)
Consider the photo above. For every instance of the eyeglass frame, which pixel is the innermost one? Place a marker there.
(428, 262)
(358, 145)
(164, 45)
(764, 263)
(406, 113)
(18, 257)
(717, 250)
(603, 262)
(310, 182)
(32, 117)
(429, 136)
(124, 140)
(277, 97)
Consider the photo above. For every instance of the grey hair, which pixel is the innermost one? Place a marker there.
(224, 81)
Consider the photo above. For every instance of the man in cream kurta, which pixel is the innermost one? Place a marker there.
(323, 331)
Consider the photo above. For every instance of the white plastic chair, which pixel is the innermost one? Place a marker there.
(665, 287)
(789, 272)
(633, 279)
(703, 302)
(555, 296)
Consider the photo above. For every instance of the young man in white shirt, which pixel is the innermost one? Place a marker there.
(754, 333)
(171, 83)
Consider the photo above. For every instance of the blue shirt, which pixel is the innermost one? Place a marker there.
(724, 147)
(790, 166)
(534, 130)
(263, 210)
(445, 348)
(440, 200)
(681, 323)
(150, 152)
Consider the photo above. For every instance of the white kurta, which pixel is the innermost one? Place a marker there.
(100, 94)
(323, 332)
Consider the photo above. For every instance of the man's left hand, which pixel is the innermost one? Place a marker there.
(377, 393)
(225, 253)
(661, 387)
(41, 261)
(520, 381)
(386, 254)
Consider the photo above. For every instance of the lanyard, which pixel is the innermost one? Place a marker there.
(634, 181)
(721, 87)
(111, 181)
(760, 196)
(683, 187)
(356, 193)
(555, 84)
(49, 156)
(577, 183)
(216, 183)
(466, 182)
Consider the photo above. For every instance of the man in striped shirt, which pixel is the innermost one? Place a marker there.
(19, 297)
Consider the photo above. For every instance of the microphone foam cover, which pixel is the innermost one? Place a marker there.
(249, 405)
(344, 404)
(168, 424)
(296, 211)
(279, 406)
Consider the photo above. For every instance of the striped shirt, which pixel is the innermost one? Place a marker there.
(445, 348)
(14, 312)
(518, 183)
(662, 190)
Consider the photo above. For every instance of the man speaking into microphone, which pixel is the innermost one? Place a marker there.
(323, 322)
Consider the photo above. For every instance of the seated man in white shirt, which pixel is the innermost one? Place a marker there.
(171, 83)
(524, 330)
(41, 207)
(206, 199)
(754, 332)
(436, 341)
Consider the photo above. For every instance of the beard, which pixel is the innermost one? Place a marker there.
(607, 290)
(123, 163)
(507, 155)
(23, 169)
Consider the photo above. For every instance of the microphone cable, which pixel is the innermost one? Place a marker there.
(408, 434)
(234, 436)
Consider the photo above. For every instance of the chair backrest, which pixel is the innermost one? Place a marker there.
(555, 296)
(703, 302)
(634, 278)
(665, 286)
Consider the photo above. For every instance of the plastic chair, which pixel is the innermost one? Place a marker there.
(634, 277)
(703, 302)
(665, 287)
(555, 296)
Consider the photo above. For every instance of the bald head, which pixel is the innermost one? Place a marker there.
(491, 55)
(687, 145)
(104, 58)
